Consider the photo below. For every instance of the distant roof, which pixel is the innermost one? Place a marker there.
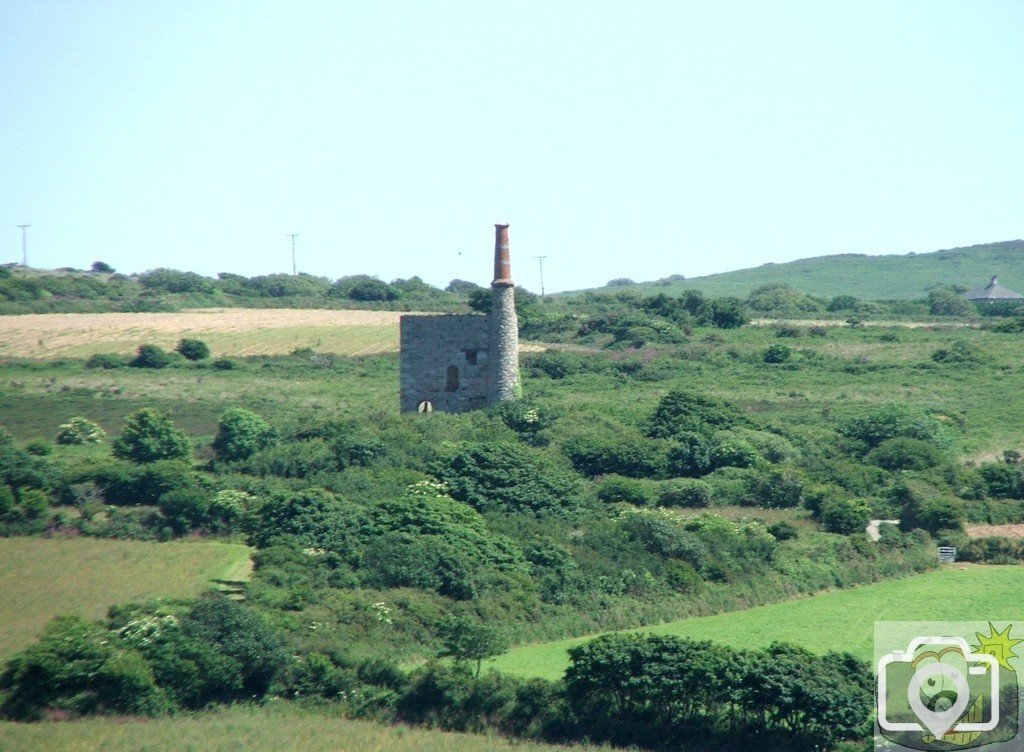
(993, 291)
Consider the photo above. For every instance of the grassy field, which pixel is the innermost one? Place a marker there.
(43, 577)
(840, 620)
(826, 378)
(228, 332)
(251, 730)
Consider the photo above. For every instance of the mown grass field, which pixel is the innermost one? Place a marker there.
(43, 577)
(228, 332)
(248, 730)
(841, 620)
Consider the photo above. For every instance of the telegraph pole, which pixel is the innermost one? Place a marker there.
(293, 235)
(24, 252)
(540, 261)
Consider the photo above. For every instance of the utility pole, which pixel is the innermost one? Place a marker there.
(24, 252)
(293, 235)
(540, 261)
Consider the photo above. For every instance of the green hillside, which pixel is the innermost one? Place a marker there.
(894, 277)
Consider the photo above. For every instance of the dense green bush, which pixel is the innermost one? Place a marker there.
(777, 354)
(148, 435)
(185, 508)
(679, 412)
(241, 433)
(80, 430)
(937, 516)
(150, 356)
(613, 488)
(733, 452)
(313, 519)
(363, 288)
(844, 516)
(959, 353)
(193, 349)
(690, 455)
(776, 488)
(995, 550)
(174, 281)
(106, 361)
(427, 539)
(631, 689)
(895, 421)
(903, 453)
(527, 419)
(127, 484)
(780, 299)
(783, 530)
(509, 477)
(294, 459)
(1003, 481)
(685, 493)
(620, 453)
(76, 666)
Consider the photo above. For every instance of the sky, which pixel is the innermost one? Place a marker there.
(635, 140)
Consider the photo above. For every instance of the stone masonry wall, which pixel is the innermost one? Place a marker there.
(503, 378)
(434, 348)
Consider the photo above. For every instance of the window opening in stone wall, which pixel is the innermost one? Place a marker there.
(425, 406)
(452, 384)
(470, 357)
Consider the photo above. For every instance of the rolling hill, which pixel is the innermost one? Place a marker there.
(892, 277)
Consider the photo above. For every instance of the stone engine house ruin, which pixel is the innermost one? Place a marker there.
(457, 362)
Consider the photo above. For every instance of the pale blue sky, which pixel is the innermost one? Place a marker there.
(633, 139)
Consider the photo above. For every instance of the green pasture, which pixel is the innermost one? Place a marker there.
(43, 577)
(841, 620)
(261, 729)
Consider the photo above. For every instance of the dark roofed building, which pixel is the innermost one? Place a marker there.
(993, 291)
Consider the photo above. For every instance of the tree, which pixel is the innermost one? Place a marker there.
(102, 267)
(193, 349)
(149, 435)
(468, 640)
(242, 433)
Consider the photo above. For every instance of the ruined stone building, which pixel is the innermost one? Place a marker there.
(458, 362)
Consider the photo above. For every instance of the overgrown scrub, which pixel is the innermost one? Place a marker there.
(670, 692)
(147, 659)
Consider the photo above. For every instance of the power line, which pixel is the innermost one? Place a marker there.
(293, 235)
(540, 261)
(24, 251)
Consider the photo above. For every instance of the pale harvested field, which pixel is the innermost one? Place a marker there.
(995, 531)
(228, 331)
